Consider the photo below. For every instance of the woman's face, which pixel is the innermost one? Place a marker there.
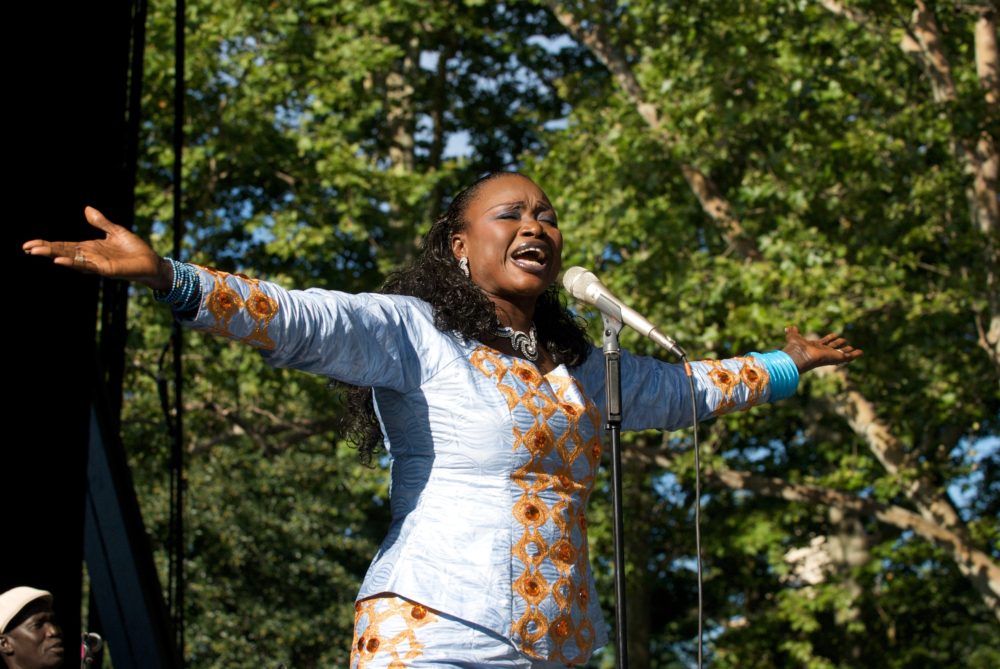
(511, 239)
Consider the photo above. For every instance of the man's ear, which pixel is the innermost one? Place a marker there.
(6, 647)
(458, 245)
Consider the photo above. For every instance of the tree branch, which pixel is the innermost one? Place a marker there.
(972, 562)
(987, 62)
(985, 208)
(713, 203)
(850, 13)
(596, 39)
(985, 165)
(860, 414)
(271, 433)
(399, 110)
(923, 40)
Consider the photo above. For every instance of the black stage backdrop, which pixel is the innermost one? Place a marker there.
(67, 67)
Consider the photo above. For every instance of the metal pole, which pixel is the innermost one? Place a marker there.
(612, 395)
(178, 335)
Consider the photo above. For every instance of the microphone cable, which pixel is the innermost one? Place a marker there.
(697, 503)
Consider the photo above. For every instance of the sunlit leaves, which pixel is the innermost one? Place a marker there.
(839, 165)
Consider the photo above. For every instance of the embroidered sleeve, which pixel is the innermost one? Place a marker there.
(655, 394)
(362, 339)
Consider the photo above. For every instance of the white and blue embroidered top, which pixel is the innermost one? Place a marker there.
(492, 461)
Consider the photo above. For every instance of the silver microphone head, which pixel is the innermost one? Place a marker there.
(586, 287)
(576, 280)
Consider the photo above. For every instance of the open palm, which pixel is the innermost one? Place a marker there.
(120, 255)
(831, 349)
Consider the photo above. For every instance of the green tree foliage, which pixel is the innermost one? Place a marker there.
(729, 167)
(756, 164)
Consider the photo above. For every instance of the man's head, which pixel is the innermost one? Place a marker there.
(29, 635)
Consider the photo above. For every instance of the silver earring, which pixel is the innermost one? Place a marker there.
(463, 264)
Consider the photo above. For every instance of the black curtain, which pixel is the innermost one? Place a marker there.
(67, 93)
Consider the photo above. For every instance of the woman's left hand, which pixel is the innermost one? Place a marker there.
(812, 353)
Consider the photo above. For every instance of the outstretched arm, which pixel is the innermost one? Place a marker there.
(655, 393)
(120, 255)
(360, 339)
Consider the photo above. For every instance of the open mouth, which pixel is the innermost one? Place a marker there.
(531, 256)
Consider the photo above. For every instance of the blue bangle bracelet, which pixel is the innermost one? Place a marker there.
(782, 371)
(184, 294)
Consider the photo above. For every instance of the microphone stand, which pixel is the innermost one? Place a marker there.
(613, 405)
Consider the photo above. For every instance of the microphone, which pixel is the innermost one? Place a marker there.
(586, 287)
(90, 643)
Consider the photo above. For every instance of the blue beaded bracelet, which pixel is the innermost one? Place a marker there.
(782, 371)
(185, 292)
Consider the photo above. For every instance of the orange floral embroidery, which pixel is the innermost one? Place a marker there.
(548, 472)
(224, 302)
(528, 375)
(752, 375)
(755, 378)
(403, 646)
(726, 382)
(560, 629)
(563, 552)
(262, 308)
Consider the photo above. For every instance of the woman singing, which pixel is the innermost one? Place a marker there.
(488, 398)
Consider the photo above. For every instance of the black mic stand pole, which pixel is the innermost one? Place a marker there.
(613, 402)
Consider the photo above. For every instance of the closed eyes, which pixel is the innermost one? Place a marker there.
(545, 216)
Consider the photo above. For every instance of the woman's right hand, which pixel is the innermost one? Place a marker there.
(120, 255)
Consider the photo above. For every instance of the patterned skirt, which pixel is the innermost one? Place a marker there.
(392, 633)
